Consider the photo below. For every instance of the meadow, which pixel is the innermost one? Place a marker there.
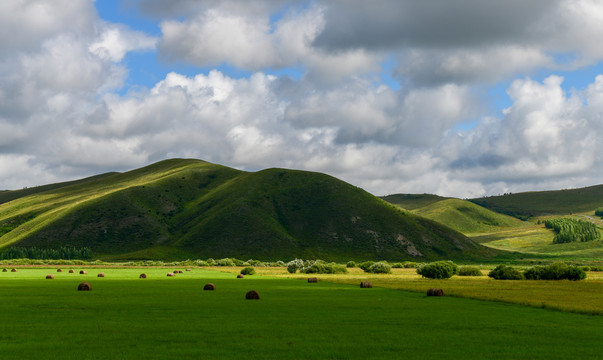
(161, 317)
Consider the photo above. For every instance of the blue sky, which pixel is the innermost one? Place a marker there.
(458, 98)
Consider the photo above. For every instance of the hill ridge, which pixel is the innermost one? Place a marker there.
(182, 208)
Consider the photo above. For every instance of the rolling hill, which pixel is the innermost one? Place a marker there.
(178, 209)
(460, 215)
(538, 203)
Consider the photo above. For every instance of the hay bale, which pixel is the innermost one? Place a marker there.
(4, 270)
(50, 276)
(71, 271)
(83, 272)
(435, 292)
(312, 280)
(366, 284)
(171, 274)
(85, 286)
(209, 286)
(180, 272)
(59, 270)
(240, 276)
(100, 275)
(13, 270)
(188, 269)
(252, 295)
(142, 276)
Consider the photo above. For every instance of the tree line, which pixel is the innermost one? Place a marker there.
(63, 253)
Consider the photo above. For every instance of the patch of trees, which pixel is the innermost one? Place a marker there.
(599, 212)
(64, 253)
(572, 230)
(315, 267)
(555, 271)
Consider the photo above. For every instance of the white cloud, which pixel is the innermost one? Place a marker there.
(115, 41)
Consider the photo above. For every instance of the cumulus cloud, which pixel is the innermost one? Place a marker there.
(64, 114)
(115, 41)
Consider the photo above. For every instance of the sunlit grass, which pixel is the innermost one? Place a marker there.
(573, 296)
(124, 317)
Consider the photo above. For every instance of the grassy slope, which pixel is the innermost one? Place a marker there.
(538, 203)
(412, 201)
(190, 208)
(467, 217)
(127, 318)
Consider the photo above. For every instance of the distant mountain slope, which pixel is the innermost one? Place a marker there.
(413, 201)
(467, 217)
(537, 203)
(194, 209)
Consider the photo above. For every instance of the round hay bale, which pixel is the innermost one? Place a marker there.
(188, 269)
(252, 295)
(171, 274)
(180, 272)
(142, 276)
(240, 276)
(366, 284)
(209, 286)
(50, 276)
(59, 270)
(83, 272)
(100, 275)
(85, 286)
(435, 292)
(13, 270)
(71, 271)
(4, 270)
(312, 280)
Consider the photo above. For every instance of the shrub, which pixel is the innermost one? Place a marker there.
(226, 262)
(555, 271)
(256, 263)
(365, 265)
(248, 271)
(397, 265)
(599, 212)
(321, 267)
(469, 271)
(505, 272)
(294, 265)
(380, 267)
(410, 265)
(351, 264)
(438, 270)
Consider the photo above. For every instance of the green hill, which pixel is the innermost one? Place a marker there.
(467, 217)
(538, 203)
(413, 201)
(178, 209)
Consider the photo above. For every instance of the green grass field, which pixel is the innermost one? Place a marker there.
(124, 317)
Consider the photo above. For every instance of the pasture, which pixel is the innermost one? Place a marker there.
(124, 317)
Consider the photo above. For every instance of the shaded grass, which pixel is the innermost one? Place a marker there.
(168, 318)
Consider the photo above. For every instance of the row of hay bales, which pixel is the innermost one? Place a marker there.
(252, 294)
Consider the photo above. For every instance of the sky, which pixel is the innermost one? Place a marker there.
(463, 98)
